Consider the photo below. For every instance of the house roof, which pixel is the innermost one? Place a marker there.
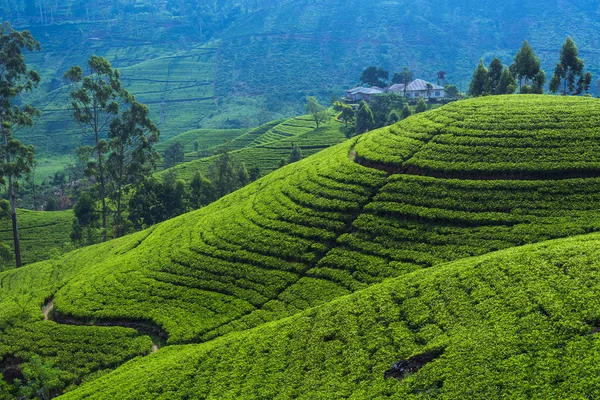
(420, 84)
(398, 87)
(364, 90)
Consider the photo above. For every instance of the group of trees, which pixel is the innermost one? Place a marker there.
(526, 74)
(384, 109)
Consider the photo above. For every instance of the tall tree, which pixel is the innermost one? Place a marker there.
(316, 110)
(374, 76)
(223, 174)
(96, 101)
(508, 82)
(364, 118)
(568, 73)
(295, 155)
(347, 114)
(132, 157)
(201, 191)
(479, 83)
(16, 159)
(407, 77)
(526, 65)
(173, 155)
(494, 76)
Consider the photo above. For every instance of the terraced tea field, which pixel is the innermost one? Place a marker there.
(264, 147)
(41, 232)
(239, 280)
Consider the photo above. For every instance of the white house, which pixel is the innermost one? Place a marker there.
(419, 88)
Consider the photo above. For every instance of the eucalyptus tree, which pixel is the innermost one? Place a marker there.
(16, 158)
(96, 100)
(568, 73)
(131, 155)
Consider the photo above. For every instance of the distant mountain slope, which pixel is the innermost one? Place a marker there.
(309, 46)
(520, 323)
(349, 217)
(265, 62)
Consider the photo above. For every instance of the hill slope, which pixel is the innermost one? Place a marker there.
(340, 221)
(520, 323)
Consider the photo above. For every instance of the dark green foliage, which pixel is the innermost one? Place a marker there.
(421, 106)
(494, 77)
(42, 381)
(406, 112)
(173, 155)
(568, 73)
(131, 158)
(86, 220)
(382, 104)
(295, 155)
(201, 191)
(393, 117)
(364, 118)
(479, 83)
(508, 83)
(155, 201)
(526, 68)
(96, 100)
(347, 114)
(451, 91)
(374, 76)
(223, 174)
(404, 77)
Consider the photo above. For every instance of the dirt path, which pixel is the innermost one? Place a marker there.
(48, 307)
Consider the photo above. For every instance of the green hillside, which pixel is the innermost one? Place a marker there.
(265, 146)
(515, 324)
(352, 216)
(42, 233)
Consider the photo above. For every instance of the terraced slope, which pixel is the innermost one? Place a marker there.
(41, 233)
(520, 323)
(332, 224)
(264, 147)
(176, 84)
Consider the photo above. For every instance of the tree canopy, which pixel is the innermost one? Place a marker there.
(568, 74)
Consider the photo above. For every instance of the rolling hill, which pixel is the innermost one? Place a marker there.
(378, 215)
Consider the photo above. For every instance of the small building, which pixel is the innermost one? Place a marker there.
(419, 88)
(363, 93)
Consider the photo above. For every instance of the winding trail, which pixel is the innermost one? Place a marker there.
(158, 335)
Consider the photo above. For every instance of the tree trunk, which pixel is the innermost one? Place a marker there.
(15, 226)
(13, 209)
(102, 195)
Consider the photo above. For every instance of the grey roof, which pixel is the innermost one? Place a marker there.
(398, 87)
(364, 90)
(420, 84)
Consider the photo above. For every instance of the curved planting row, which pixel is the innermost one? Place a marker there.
(510, 137)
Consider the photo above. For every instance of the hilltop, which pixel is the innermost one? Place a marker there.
(467, 179)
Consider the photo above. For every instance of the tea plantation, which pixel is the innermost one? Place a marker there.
(42, 233)
(263, 147)
(236, 283)
(515, 324)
